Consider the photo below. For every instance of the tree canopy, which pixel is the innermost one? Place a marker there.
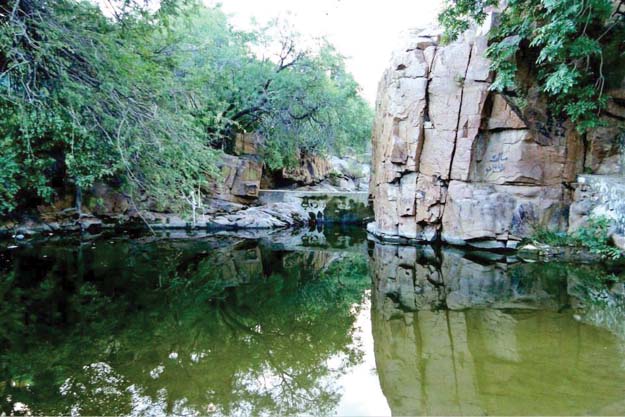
(150, 98)
(571, 44)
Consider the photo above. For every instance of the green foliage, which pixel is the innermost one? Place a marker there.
(147, 97)
(594, 236)
(568, 40)
(301, 100)
(85, 98)
(354, 169)
(459, 15)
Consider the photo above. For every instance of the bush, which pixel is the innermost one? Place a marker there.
(594, 236)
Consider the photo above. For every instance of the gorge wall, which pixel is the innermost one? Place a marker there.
(453, 160)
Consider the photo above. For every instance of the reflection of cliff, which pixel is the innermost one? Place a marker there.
(415, 278)
(485, 362)
(455, 336)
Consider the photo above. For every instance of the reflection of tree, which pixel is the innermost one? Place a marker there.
(177, 327)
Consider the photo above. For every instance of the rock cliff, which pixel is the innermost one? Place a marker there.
(453, 160)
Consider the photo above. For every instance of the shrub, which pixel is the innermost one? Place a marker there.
(594, 236)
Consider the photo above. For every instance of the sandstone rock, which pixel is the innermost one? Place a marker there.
(429, 53)
(474, 95)
(311, 170)
(485, 174)
(407, 98)
(604, 155)
(247, 180)
(240, 178)
(503, 116)
(430, 199)
(438, 148)
(411, 64)
(274, 215)
(386, 211)
(407, 228)
(444, 100)
(479, 65)
(451, 61)
(408, 192)
(513, 157)
(247, 143)
(399, 151)
(486, 211)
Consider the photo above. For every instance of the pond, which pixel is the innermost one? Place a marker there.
(291, 323)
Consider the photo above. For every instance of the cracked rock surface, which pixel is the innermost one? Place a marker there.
(453, 160)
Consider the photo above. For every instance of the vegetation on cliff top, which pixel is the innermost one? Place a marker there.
(149, 99)
(570, 45)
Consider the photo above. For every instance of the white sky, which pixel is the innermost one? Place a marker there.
(365, 31)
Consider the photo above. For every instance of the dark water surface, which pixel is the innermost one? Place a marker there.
(314, 323)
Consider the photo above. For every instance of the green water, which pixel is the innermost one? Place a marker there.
(319, 323)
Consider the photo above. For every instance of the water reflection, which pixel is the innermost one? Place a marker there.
(312, 323)
(224, 326)
(459, 336)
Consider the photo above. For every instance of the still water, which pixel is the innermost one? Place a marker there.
(310, 323)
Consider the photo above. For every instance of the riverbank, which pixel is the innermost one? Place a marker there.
(276, 209)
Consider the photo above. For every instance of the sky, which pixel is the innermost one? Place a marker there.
(365, 31)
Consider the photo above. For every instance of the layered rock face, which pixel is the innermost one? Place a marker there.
(453, 160)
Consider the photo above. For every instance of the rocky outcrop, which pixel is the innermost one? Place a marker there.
(240, 178)
(600, 196)
(453, 160)
(331, 173)
(323, 206)
(311, 170)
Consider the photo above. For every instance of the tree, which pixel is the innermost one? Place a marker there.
(84, 97)
(150, 98)
(295, 92)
